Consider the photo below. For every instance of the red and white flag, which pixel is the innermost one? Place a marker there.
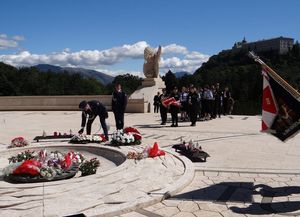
(168, 101)
(269, 107)
(280, 107)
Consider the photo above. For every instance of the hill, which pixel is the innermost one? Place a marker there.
(30, 81)
(100, 76)
(181, 74)
(243, 76)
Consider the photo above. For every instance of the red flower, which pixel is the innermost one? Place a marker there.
(136, 134)
(131, 130)
(103, 137)
(18, 139)
(31, 167)
(67, 162)
(155, 152)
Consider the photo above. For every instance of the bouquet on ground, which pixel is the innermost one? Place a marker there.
(83, 139)
(31, 166)
(89, 167)
(151, 152)
(55, 135)
(127, 136)
(191, 150)
(18, 142)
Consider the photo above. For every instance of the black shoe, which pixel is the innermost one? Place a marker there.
(163, 123)
(176, 125)
(192, 125)
(172, 125)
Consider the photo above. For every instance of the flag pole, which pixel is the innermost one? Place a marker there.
(287, 86)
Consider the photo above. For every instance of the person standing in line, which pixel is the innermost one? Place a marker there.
(193, 100)
(218, 100)
(174, 108)
(92, 109)
(213, 110)
(226, 96)
(230, 105)
(200, 103)
(119, 103)
(184, 104)
(163, 109)
(207, 99)
(156, 102)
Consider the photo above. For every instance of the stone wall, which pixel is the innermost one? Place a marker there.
(61, 103)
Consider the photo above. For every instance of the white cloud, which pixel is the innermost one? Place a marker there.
(85, 58)
(9, 42)
(18, 38)
(175, 49)
(196, 56)
(189, 63)
(97, 59)
(120, 72)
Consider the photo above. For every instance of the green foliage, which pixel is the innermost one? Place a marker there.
(128, 82)
(89, 167)
(30, 81)
(26, 155)
(243, 76)
(170, 81)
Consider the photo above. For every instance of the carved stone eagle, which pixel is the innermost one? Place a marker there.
(151, 64)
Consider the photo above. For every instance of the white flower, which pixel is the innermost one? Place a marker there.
(10, 168)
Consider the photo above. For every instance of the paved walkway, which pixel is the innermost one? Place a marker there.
(248, 173)
(222, 194)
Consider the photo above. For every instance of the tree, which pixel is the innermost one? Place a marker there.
(170, 81)
(128, 82)
(30, 81)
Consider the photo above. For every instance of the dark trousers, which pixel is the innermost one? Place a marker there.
(193, 114)
(119, 118)
(225, 105)
(156, 108)
(218, 107)
(103, 125)
(163, 114)
(174, 116)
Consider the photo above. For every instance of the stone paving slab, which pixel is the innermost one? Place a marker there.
(244, 167)
(236, 198)
(133, 184)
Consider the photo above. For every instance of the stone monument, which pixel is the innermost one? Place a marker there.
(151, 64)
(152, 83)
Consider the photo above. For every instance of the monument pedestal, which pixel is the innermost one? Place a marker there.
(147, 91)
(149, 82)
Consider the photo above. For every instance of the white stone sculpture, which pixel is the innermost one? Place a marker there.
(151, 64)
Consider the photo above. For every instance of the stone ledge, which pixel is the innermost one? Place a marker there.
(61, 103)
(171, 173)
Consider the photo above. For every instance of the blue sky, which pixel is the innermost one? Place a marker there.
(110, 35)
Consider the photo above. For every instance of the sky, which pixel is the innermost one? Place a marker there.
(110, 35)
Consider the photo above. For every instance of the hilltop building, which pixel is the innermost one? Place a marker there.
(280, 45)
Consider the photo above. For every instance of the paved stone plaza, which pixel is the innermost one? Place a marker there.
(248, 173)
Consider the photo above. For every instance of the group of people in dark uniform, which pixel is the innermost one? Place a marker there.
(194, 104)
(92, 109)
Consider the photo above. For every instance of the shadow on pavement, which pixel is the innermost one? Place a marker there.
(240, 192)
(266, 206)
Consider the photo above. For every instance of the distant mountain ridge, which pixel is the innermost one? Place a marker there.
(181, 74)
(100, 76)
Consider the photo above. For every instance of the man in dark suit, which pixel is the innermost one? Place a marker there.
(163, 109)
(92, 109)
(119, 103)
